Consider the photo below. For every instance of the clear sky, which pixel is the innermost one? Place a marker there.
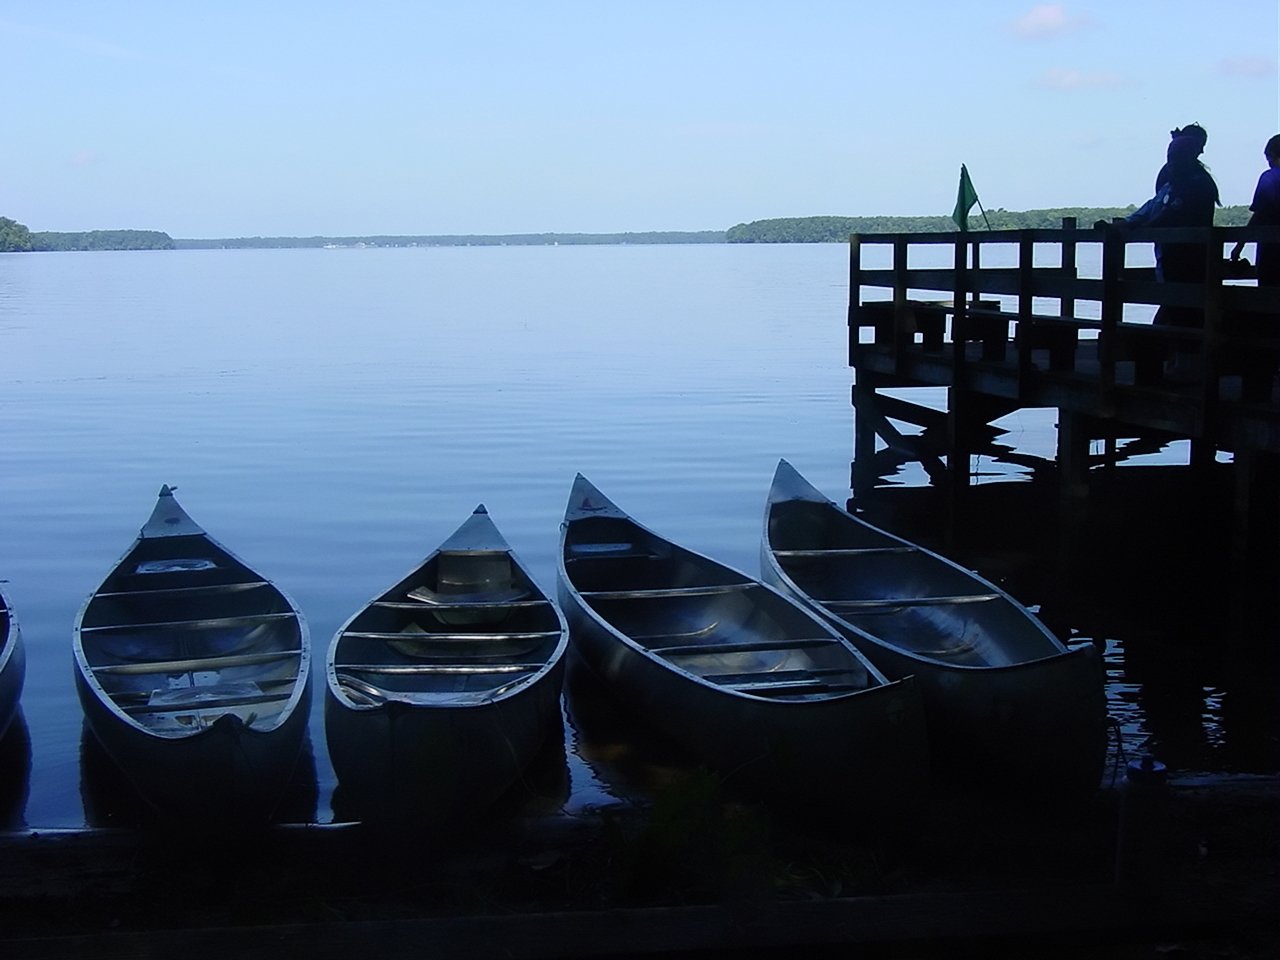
(232, 118)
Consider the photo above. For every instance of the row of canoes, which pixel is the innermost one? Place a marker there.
(831, 679)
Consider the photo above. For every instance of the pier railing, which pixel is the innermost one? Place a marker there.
(973, 297)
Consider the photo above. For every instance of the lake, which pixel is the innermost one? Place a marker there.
(331, 415)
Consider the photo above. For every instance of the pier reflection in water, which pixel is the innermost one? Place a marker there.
(1143, 571)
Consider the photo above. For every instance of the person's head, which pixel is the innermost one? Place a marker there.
(1272, 151)
(1197, 134)
(1184, 149)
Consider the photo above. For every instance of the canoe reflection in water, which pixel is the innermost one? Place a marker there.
(111, 800)
(15, 773)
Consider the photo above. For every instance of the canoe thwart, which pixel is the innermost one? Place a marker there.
(665, 592)
(196, 664)
(479, 598)
(740, 646)
(455, 602)
(842, 551)
(171, 592)
(896, 602)
(253, 619)
(409, 669)
(451, 638)
(218, 697)
(778, 677)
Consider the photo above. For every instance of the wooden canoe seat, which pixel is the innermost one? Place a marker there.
(741, 646)
(452, 638)
(411, 669)
(893, 603)
(664, 592)
(196, 664)
(207, 623)
(842, 551)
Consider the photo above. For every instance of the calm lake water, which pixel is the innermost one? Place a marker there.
(331, 415)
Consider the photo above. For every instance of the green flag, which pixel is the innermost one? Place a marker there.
(965, 201)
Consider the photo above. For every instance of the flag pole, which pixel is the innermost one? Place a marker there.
(981, 211)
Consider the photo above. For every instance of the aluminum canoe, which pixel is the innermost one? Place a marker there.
(751, 682)
(194, 674)
(443, 688)
(1004, 697)
(13, 664)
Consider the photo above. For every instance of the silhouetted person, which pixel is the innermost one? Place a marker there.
(1266, 213)
(1186, 195)
(1259, 363)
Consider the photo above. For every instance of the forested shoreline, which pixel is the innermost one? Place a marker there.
(16, 237)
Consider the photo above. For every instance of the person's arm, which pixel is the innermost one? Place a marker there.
(1239, 247)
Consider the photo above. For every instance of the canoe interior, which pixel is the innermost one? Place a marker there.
(466, 626)
(904, 596)
(703, 618)
(181, 633)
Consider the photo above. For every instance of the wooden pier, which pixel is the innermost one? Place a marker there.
(1064, 319)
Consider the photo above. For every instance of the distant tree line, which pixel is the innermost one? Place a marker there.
(456, 240)
(838, 229)
(103, 240)
(16, 238)
(13, 236)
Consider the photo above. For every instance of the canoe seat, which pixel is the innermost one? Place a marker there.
(411, 669)
(253, 619)
(479, 598)
(602, 551)
(215, 697)
(740, 646)
(899, 602)
(665, 592)
(196, 664)
(798, 687)
(842, 551)
(205, 590)
(368, 694)
(456, 601)
(476, 637)
(787, 682)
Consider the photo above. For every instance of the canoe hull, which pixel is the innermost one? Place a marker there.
(442, 689)
(864, 752)
(756, 686)
(193, 673)
(226, 776)
(13, 666)
(427, 769)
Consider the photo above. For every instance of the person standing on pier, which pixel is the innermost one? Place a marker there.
(1186, 195)
(1266, 213)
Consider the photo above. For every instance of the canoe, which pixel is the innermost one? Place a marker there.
(13, 664)
(194, 674)
(1002, 694)
(756, 686)
(443, 688)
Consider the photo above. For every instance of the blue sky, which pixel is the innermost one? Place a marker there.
(291, 119)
